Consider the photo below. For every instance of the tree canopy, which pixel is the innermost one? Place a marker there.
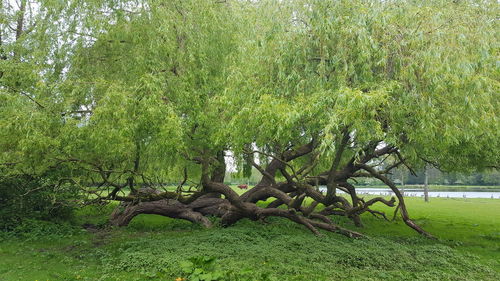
(115, 96)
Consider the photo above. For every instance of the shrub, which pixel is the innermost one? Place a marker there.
(32, 197)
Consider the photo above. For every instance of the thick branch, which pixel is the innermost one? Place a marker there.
(402, 206)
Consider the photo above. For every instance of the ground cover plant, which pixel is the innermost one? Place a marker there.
(158, 248)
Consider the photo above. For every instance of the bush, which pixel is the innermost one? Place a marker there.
(29, 197)
(34, 229)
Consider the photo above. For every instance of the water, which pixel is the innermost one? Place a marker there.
(409, 192)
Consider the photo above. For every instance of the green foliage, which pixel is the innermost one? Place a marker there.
(416, 75)
(29, 229)
(266, 250)
(167, 81)
(201, 269)
(24, 197)
(485, 178)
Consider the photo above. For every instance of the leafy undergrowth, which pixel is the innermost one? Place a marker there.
(156, 248)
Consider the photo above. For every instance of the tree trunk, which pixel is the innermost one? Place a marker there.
(402, 182)
(195, 212)
(20, 20)
(426, 184)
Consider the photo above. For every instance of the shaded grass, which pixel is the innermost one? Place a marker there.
(152, 248)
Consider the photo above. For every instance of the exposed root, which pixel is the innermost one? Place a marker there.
(217, 199)
(124, 213)
(377, 214)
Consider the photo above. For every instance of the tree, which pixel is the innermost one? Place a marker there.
(320, 92)
(426, 185)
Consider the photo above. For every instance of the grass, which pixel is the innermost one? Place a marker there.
(157, 248)
(469, 225)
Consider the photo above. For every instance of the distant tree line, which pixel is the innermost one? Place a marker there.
(437, 177)
(444, 178)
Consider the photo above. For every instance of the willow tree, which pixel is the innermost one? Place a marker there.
(309, 93)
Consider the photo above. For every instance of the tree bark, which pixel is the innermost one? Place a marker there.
(195, 212)
(20, 19)
(426, 184)
(401, 204)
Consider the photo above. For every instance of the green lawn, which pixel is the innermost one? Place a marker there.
(157, 248)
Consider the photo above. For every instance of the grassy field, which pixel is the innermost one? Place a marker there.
(157, 248)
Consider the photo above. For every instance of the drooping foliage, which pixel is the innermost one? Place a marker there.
(121, 95)
(423, 77)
